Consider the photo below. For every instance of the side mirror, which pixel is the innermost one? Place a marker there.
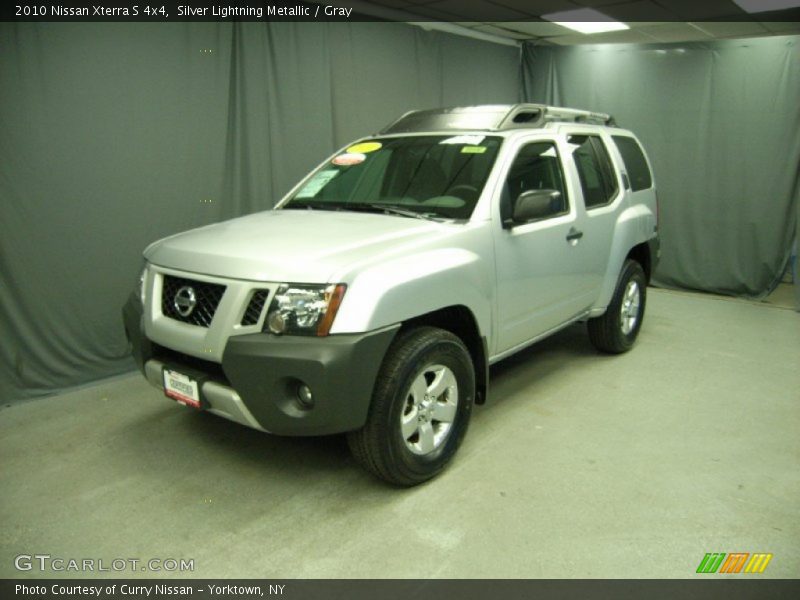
(535, 204)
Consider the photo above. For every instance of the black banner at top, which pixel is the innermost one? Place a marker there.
(366, 10)
(160, 11)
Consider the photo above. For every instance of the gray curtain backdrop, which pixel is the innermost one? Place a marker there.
(721, 123)
(114, 135)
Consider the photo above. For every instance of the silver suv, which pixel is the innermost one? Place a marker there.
(373, 298)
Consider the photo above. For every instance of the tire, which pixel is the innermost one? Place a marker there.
(427, 373)
(615, 331)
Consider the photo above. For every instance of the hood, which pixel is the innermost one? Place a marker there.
(290, 245)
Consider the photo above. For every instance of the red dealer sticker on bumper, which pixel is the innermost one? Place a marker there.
(182, 388)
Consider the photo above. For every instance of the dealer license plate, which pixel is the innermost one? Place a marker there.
(182, 388)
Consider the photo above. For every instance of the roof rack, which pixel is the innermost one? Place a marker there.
(493, 117)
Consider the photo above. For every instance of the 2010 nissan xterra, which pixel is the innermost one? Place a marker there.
(373, 298)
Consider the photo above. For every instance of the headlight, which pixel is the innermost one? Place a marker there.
(140, 284)
(304, 309)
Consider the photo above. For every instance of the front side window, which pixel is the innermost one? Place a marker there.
(594, 169)
(535, 177)
(434, 176)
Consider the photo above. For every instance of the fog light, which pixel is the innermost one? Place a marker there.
(276, 322)
(304, 396)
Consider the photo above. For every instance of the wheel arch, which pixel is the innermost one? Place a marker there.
(641, 254)
(631, 241)
(459, 320)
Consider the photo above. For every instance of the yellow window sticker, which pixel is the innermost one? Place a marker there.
(364, 147)
(473, 150)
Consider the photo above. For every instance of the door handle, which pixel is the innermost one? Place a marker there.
(574, 235)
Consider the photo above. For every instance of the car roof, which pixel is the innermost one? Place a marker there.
(492, 117)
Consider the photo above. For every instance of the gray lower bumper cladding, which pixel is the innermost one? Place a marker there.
(261, 376)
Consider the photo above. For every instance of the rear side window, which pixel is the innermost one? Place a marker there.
(594, 169)
(635, 162)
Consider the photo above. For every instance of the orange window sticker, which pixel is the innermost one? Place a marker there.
(365, 147)
(349, 159)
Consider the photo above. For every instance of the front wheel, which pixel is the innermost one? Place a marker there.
(420, 410)
(616, 330)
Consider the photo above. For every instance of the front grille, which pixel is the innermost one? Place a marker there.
(253, 312)
(206, 295)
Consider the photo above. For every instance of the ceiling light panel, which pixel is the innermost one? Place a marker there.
(585, 20)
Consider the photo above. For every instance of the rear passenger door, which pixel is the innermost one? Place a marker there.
(601, 195)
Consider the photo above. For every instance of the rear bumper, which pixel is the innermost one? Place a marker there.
(257, 382)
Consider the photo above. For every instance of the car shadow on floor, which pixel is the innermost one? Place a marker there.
(193, 440)
(545, 359)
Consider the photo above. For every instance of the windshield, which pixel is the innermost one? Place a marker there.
(427, 176)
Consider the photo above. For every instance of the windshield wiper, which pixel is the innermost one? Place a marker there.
(396, 210)
(313, 205)
(359, 207)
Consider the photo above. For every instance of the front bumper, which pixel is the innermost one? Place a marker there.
(257, 381)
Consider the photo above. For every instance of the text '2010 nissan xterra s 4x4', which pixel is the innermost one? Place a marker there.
(373, 298)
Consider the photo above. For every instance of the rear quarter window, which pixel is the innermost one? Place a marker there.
(635, 162)
(598, 180)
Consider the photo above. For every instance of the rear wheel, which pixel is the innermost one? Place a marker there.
(616, 330)
(420, 410)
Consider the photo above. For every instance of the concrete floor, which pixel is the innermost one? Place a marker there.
(582, 466)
